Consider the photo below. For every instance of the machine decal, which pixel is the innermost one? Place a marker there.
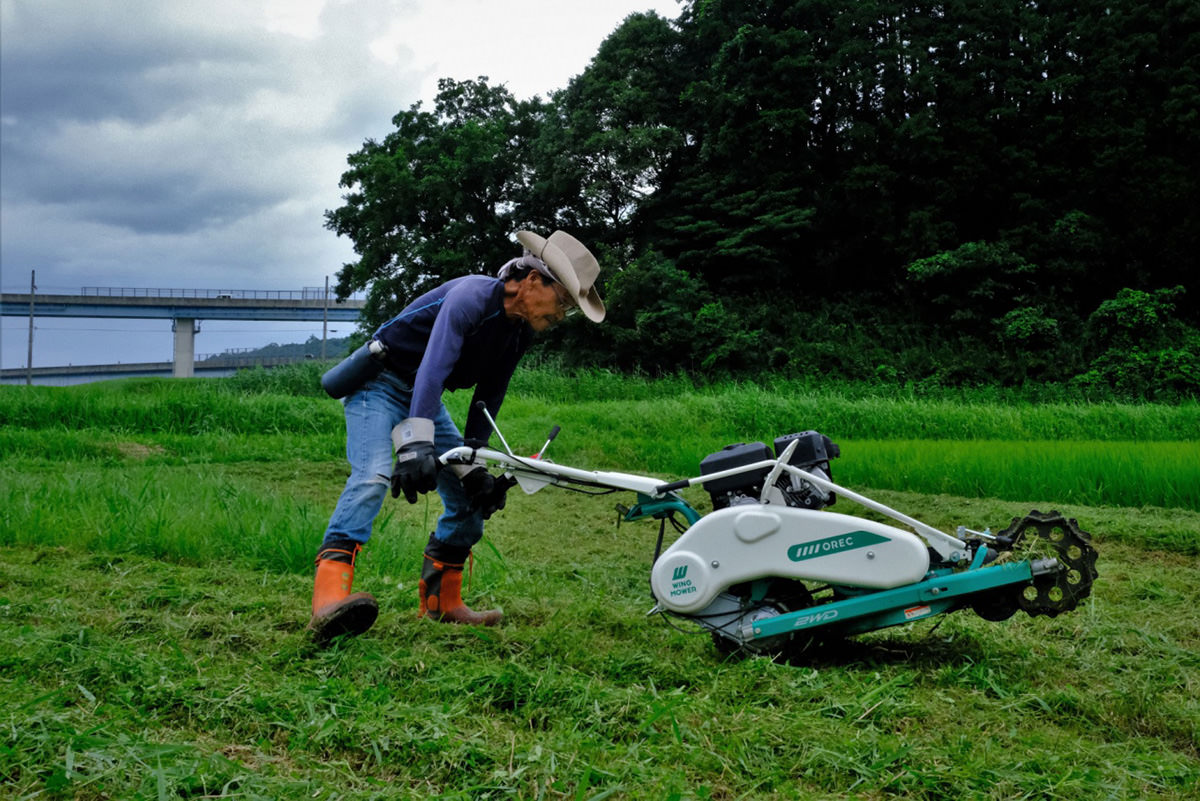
(815, 617)
(682, 587)
(831, 545)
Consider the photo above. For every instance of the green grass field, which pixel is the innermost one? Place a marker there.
(156, 540)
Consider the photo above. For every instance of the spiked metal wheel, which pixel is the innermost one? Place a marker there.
(1063, 558)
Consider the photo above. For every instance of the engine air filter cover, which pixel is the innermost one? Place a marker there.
(812, 447)
(732, 456)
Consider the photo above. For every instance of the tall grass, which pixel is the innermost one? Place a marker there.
(1124, 455)
(871, 411)
(150, 405)
(282, 400)
(1089, 473)
(184, 467)
(187, 516)
(119, 447)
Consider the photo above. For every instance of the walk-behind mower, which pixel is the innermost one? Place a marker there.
(771, 570)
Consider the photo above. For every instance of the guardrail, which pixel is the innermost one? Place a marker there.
(307, 293)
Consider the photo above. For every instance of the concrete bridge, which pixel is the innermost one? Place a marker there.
(184, 307)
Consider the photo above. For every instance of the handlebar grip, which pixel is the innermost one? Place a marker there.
(674, 485)
(553, 433)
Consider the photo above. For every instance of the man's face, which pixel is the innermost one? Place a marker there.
(543, 305)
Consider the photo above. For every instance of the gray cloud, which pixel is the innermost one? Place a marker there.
(96, 60)
(198, 143)
(186, 135)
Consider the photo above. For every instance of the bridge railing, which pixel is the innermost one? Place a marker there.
(307, 293)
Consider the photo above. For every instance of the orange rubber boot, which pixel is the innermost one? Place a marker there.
(441, 588)
(335, 610)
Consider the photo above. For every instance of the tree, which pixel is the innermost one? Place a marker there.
(609, 136)
(974, 179)
(436, 198)
(1141, 348)
(737, 199)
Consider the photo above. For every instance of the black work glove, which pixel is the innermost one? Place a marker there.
(416, 462)
(487, 494)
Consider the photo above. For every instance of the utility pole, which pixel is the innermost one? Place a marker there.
(325, 319)
(29, 359)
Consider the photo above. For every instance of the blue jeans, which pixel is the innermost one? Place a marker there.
(371, 414)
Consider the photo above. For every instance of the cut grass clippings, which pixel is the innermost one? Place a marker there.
(129, 677)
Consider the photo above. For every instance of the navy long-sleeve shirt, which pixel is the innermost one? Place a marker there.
(453, 337)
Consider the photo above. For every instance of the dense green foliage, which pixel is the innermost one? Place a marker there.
(962, 193)
(156, 544)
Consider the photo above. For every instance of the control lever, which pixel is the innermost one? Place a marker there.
(481, 406)
(553, 433)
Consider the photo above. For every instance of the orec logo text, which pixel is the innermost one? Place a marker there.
(831, 545)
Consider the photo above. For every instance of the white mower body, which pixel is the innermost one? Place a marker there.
(751, 541)
(770, 570)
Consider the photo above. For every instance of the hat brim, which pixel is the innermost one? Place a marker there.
(564, 272)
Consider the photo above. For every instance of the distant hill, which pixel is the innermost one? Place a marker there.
(335, 348)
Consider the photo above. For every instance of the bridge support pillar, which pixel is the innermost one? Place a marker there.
(184, 361)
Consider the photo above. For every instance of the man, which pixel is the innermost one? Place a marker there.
(468, 332)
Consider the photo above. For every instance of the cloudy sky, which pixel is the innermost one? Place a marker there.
(197, 143)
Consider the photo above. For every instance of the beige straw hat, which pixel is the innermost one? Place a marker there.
(573, 266)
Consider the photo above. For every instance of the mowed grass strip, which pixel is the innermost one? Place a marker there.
(129, 677)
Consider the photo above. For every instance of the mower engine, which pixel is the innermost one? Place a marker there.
(812, 454)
